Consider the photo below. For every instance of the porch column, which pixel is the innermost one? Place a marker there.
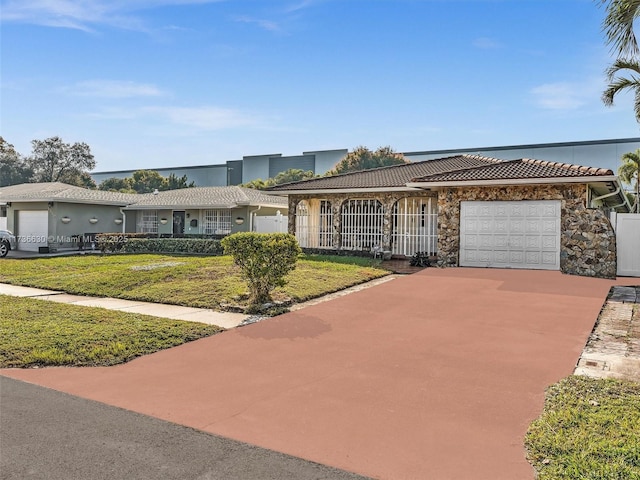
(336, 213)
(387, 221)
(291, 220)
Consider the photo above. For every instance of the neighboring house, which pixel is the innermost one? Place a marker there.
(201, 210)
(469, 210)
(52, 215)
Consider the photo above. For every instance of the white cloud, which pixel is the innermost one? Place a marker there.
(113, 89)
(203, 118)
(567, 95)
(83, 14)
(301, 5)
(268, 25)
(486, 43)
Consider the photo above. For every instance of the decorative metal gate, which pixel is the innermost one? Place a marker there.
(314, 224)
(415, 226)
(302, 223)
(362, 222)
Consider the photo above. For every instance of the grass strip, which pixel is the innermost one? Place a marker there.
(589, 430)
(39, 333)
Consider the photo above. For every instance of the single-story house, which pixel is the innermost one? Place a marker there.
(202, 210)
(53, 215)
(468, 210)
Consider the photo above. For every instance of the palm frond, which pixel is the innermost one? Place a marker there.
(618, 85)
(622, 64)
(618, 25)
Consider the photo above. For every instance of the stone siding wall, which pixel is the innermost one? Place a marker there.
(587, 240)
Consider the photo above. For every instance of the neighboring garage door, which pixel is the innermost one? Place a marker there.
(518, 234)
(33, 229)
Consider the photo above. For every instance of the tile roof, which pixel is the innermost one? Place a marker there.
(386, 177)
(48, 192)
(210, 197)
(516, 169)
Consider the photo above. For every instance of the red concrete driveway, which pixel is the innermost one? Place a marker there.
(432, 376)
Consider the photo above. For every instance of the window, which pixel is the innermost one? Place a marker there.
(148, 221)
(326, 225)
(216, 222)
(303, 232)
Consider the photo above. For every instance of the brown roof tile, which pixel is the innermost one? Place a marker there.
(388, 177)
(516, 169)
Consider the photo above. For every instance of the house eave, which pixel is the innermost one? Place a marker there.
(515, 181)
(325, 191)
(62, 200)
(179, 207)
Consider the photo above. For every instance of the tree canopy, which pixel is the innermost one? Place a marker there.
(145, 181)
(288, 176)
(629, 172)
(361, 158)
(53, 160)
(13, 169)
(624, 72)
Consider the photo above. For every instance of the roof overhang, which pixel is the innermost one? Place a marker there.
(324, 191)
(62, 200)
(515, 181)
(177, 207)
(208, 206)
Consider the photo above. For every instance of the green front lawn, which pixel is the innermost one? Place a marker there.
(589, 430)
(42, 333)
(205, 282)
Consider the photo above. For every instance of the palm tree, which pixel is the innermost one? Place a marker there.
(629, 172)
(618, 25)
(618, 83)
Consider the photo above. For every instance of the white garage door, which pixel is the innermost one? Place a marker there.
(518, 234)
(33, 229)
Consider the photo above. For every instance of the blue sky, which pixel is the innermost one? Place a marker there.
(159, 83)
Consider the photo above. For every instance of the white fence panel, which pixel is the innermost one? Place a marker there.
(628, 243)
(270, 224)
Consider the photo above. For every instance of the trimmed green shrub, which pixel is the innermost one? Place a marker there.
(133, 244)
(264, 260)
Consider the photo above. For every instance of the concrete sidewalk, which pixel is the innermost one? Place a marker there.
(174, 312)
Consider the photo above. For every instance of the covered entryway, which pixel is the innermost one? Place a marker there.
(510, 234)
(627, 236)
(33, 229)
(415, 226)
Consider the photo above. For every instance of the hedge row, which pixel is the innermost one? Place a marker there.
(124, 244)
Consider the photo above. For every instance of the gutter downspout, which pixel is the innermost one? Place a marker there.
(251, 217)
(124, 220)
(611, 194)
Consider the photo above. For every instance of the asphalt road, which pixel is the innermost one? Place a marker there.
(45, 434)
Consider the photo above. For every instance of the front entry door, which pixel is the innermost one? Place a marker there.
(178, 223)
